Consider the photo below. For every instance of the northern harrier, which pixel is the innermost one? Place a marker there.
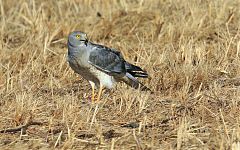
(100, 65)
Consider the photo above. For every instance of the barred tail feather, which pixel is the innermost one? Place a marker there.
(133, 82)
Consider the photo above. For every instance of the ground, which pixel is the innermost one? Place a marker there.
(191, 50)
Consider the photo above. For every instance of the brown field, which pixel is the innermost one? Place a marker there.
(191, 50)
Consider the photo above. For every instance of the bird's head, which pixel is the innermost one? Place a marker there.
(77, 38)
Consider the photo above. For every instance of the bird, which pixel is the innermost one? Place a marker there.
(102, 66)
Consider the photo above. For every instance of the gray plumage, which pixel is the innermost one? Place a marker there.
(100, 65)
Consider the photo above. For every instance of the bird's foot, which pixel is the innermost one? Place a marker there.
(93, 100)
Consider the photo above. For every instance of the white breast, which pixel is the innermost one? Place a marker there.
(104, 79)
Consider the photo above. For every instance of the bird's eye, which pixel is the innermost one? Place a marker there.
(78, 36)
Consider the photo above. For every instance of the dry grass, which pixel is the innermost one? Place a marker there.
(191, 50)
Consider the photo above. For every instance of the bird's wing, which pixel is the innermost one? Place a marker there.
(135, 71)
(107, 60)
(111, 62)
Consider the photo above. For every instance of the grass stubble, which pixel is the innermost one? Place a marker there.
(189, 48)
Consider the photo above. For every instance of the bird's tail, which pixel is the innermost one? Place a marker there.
(133, 82)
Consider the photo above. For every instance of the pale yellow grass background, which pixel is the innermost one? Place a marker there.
(190, 49)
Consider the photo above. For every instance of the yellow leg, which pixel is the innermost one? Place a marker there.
(93, 91)
(100, 92)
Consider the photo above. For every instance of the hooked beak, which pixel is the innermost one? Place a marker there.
(85, 41)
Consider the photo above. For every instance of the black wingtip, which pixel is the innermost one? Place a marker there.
(139, 74)
(135, 70)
